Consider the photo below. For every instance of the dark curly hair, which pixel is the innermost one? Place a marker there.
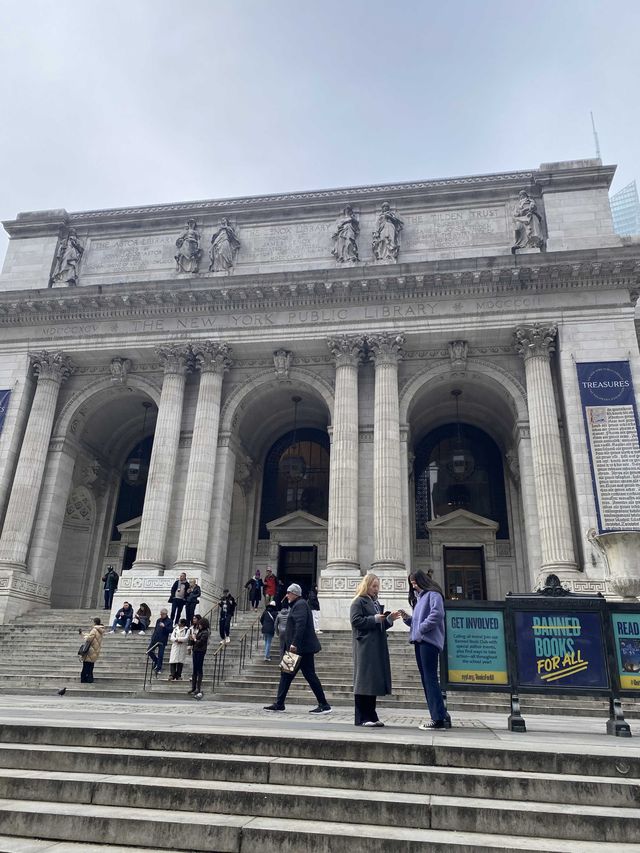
(425, 582)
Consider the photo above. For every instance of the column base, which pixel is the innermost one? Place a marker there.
(148, 566)
(190, 567)
(566, 572)
(13, 566)
(20, 593)
(342, 567)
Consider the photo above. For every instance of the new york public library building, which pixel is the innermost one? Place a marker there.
(436, 375)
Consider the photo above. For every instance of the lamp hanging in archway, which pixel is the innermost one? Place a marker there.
(460, 463)
(136, 468)
(292, 463)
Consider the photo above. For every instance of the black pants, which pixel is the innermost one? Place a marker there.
(196, 675)
(225, 627)
(190, 609)
(365, 709)
(86, 676)
(176, 670)
(176, 609)
(308, 670)
(108, 598)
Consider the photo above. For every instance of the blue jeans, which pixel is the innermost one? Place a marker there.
(157, 656)
(427, 660)
(126, 623)
(268, 639)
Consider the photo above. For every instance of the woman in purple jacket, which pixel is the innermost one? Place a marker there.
(427, 635)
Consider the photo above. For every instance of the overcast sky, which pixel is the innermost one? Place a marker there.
(107, 103)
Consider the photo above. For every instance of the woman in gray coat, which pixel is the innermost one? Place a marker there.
(371, 667)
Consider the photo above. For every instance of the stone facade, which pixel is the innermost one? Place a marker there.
(371, 306)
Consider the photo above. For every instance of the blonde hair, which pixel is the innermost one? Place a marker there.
(365, 585)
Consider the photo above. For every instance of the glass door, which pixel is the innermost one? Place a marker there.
(464, 574)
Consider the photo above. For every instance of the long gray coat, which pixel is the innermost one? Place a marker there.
(371, 667)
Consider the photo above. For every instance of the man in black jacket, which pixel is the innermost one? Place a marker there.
(161, 633)
(300, 638)
(178, 597)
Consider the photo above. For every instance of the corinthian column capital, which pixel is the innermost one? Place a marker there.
(346, 349)
(212, 357)
(535, 341)
(175, 358)
(385, 347)
(52, 365)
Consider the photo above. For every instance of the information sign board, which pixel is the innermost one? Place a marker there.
(476, 648)
(626, 638)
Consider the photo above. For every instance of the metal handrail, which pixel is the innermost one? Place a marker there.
(245, 646)
(146, 669)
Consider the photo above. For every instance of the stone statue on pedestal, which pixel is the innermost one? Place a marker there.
(528, 224)
(189, 251)
(65, 273)
(224, 247)
(386, 237)
(345, 237)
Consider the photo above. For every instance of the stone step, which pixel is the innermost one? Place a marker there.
(242, 834)
(382, 777)
(13, 844)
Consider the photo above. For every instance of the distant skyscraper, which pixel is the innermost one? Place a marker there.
(625, 207)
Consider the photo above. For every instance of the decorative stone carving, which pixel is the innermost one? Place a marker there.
(245, 473)
(89, 472)
(458, 354)
(513, 464)
(175, 358)
(535, 341)
(68, 256)
(386, 237)
(528, 224)
(347, 349)
(119, 369)
(79, 507)
(282, 363)
(211, 357)
(224, 247)
(345, 237)
(52, 365)
(189, 251)
(385, 347)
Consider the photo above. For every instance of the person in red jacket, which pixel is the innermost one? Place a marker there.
(270, 586)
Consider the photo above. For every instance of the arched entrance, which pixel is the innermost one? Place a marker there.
(281, 494)
(104, 483)
(472, 521)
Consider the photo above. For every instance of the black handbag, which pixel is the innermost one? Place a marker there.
(84, 648)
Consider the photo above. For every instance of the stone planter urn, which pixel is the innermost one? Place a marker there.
(622, 550)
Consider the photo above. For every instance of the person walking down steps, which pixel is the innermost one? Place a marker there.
(268, 622)
(301, 639)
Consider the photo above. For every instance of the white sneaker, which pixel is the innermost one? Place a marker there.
(112, 632)
(198, 696)
(228, 640)
(140, 632)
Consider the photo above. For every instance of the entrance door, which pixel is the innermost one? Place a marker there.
(298, 565)
(464, 573)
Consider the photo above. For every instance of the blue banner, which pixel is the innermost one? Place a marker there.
(611, 425)
(560, 649)
(4, 405)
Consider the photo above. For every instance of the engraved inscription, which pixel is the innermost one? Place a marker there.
(127, 254)
(300, 240)
(616, 462)
(445, 229)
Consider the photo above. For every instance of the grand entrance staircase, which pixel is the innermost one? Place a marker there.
(42, 659)
(279, 791)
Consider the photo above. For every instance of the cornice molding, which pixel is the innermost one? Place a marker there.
(482, 277)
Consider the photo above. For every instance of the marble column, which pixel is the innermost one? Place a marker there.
(535, 344)
(388, 548)
(211, 359)
(51, 370)
(176, 360)
(342, 544)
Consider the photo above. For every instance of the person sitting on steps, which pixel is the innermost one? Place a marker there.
(124, 618)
